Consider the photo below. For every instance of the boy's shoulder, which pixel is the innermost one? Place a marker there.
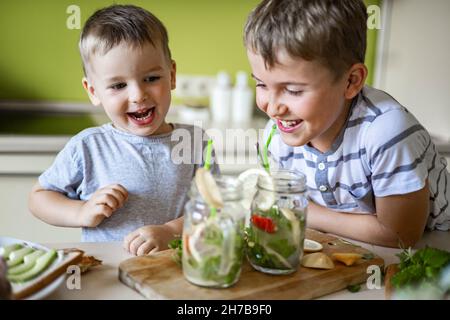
(193, 131)
(376, 102)
(379, 114)
(189, 127)
(89, 133)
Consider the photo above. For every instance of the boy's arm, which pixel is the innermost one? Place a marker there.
(399, 220)
(57, 209)
(54, 208)
(176, 226)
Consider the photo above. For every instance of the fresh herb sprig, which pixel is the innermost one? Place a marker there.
(177, 245)
(257, 249)
(422, 266)
(354, 288)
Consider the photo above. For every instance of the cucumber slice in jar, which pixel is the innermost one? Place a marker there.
(228, 247)
(295, 223)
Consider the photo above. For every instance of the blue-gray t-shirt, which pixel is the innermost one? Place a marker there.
(157, 185)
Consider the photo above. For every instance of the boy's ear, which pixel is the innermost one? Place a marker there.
(173, 75)
(355, 80)
(91, 92)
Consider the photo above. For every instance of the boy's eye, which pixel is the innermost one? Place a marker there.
(294, 92)
(118, 86)
(260, 85)
(152, 78)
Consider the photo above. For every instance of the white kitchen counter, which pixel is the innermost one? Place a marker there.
(102, 282)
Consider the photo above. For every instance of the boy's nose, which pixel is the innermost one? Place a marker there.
(137, 95)
(275, 108)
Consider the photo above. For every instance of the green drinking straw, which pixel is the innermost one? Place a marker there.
(213, 211)
(208, 155)
(266, 148)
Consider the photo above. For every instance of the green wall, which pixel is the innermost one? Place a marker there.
(39, 57)
(371, 45)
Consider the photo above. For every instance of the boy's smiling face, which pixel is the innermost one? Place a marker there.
(307, 103)
(133, 84)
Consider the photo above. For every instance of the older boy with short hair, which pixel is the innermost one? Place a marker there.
(119, 181)
(372, 170)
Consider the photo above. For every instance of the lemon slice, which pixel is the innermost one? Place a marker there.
(311, 246)
(249, 179)
(208, 188)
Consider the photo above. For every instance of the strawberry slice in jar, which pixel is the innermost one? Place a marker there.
(264, 223)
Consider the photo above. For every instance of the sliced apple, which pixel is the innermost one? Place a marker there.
(317, 260)
(311, 246)
(347, 258)
(208, 188)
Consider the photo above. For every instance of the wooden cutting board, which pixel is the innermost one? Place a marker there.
(159, 277)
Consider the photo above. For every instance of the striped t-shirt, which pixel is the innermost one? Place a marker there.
(382, 150)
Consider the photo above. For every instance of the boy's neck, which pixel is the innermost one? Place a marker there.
(324, 143)
(163, 129)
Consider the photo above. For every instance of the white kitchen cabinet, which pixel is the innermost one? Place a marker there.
(22, 160)
(16, 220)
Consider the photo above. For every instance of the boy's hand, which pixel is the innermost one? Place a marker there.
(148, 239)
(102, 204)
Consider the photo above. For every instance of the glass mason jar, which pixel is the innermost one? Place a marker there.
(213, 240)
(276, 232)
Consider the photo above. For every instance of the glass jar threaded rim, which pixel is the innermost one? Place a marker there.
(283, 181)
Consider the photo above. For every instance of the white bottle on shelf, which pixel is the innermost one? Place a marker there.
(242, 99)
(220, 99)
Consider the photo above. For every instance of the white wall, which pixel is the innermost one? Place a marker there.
(417, 66)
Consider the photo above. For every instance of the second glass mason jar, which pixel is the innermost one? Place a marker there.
(213, 240)
(276, 232)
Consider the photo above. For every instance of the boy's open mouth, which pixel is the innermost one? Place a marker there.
(288, 126)
(143, 116)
